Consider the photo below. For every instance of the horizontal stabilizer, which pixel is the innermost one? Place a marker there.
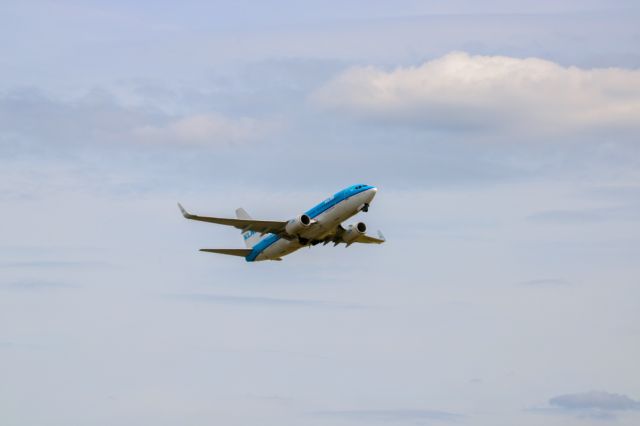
(232, 252)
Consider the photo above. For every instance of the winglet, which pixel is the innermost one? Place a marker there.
(184, 212)
(381, 236)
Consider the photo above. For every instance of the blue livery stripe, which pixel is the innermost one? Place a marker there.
(261, 246)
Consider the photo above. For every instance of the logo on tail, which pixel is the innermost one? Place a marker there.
(251, 238)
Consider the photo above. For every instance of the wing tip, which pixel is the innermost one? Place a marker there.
(183, 211)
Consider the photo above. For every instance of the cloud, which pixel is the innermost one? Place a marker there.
(463, 92)
(595, 400)
(209, 128)
(597, 405)
(30, 117)
(412, 416)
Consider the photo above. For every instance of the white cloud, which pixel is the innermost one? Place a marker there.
(208, 128)
(460, 91)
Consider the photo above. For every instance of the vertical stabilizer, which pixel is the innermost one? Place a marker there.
(242, 214)
(251, 238)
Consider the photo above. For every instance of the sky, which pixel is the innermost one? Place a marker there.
(502, 137)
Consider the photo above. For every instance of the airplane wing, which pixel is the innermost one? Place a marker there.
(367, 239)
(337, 238)
(261, 226)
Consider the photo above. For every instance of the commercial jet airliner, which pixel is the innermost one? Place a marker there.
(271, 240)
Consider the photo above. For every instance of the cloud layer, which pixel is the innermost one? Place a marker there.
(595, 400)
(597, 405)
(30, 116)
(211, 128)
(460, 91)
(411, 416)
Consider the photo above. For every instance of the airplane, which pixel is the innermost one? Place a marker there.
(272, 240)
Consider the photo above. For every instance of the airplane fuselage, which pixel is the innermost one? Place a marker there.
(329, 214)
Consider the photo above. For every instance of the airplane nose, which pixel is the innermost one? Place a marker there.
(372, 192)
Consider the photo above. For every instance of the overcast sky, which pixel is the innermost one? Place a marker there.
(504, 140)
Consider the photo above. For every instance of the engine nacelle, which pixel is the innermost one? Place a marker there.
(353, 232)
(296, 226)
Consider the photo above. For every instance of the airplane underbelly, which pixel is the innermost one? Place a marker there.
(278, 249)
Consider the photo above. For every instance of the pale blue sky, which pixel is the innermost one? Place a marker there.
(507, 293)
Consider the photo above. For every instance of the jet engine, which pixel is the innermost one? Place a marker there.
(295, 226)
(353, 232)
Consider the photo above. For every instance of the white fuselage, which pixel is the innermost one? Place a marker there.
(327, 221)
